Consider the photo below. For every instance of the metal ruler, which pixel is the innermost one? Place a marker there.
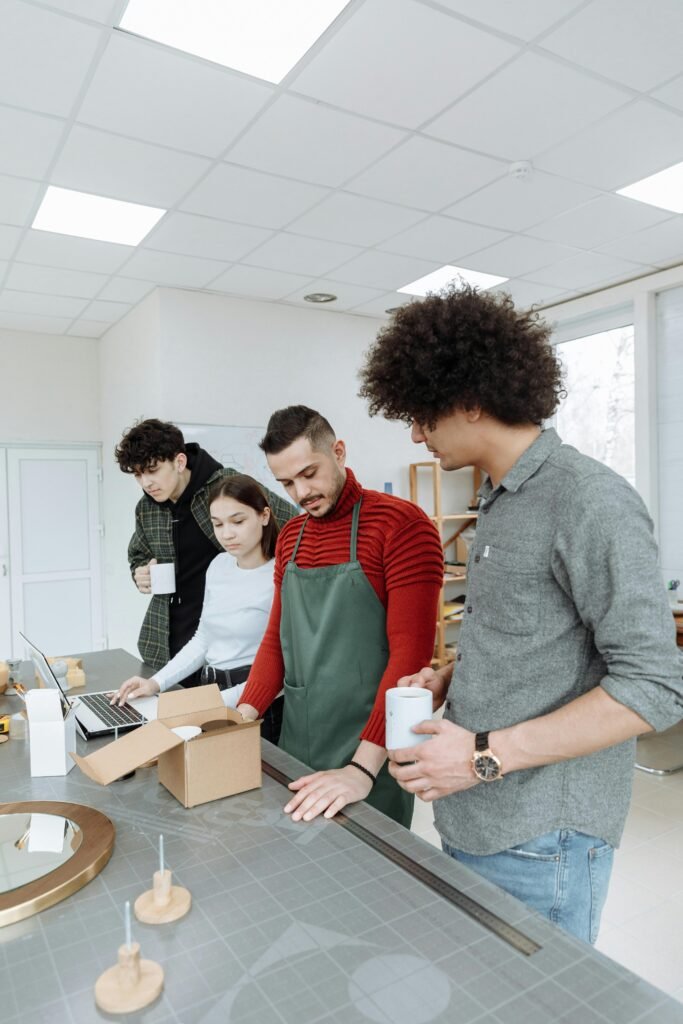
(482, 915)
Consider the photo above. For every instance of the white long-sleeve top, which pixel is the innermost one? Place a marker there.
(234, 616)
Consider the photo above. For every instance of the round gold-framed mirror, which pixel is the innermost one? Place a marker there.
(48, 850)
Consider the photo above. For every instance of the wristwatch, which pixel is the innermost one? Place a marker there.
(485, 764)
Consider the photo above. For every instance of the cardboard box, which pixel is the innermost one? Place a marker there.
(52, 737)
(223, 761)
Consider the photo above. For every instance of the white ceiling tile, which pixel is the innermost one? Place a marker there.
(306, 140)
(626, 40)
(409, 62)
(125, 289)
(630, 144)
(43, 57)
(586, 270)
(9, 236)
(310, 256)
(43, 305)
(442, 239)
(95, 10)
(526, 293)
(257, 283)
(201, 236)
(426, 174)
(54, 280)
(530, 105)
(383, 270)
(173, 270)
(37, 324)
(250, 197)
(348, 295)
(517, 256)
(355, 219)
(17, 199)
(109, 165)
(378, 307)
(600, 221)
(29, 142)
(671, 93)
(106, 312)
(88, 328)
(158, 95)
(4, 264)
(51, 250)
(660, 246)
(514, 204)
(523, 18)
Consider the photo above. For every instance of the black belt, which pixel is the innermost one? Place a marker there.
(225, 678)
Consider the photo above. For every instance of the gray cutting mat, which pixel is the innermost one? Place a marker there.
(291, 923)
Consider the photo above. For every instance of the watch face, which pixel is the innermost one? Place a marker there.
(487, 767)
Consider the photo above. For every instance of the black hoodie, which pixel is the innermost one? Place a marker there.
(193, 551)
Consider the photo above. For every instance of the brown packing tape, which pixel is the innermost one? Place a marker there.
(131, 751)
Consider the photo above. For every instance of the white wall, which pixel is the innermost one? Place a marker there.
(669, 361)
(234, 361)
(130, 389)
(50, 389)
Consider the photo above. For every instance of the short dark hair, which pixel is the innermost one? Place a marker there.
(249, 492)
(146, 443)
(463, 349)
(287, 425)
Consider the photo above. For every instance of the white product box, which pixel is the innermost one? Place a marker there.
(52, 737)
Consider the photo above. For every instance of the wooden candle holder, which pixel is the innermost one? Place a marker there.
(129, 985)
(164, 902)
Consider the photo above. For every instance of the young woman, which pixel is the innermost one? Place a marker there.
(237, 601)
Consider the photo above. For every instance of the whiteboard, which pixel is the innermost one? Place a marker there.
(235, 447)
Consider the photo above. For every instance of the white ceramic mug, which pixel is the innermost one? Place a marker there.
(187, 732)
(162, 576)
(406, 706)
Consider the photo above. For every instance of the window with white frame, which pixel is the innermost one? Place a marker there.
(598, 415)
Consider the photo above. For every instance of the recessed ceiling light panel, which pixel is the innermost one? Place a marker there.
(263, 38)
(444, 276)
(664, 189)
(66, 212)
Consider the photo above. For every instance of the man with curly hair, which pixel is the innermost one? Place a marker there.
(555, 675)
(172, 524)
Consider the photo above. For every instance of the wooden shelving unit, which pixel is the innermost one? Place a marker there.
(451, 540)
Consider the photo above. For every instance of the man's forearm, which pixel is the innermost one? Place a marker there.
(592, 722)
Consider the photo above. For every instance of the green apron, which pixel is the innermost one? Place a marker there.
(334, 643)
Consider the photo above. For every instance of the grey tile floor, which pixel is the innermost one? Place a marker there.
(642, 924)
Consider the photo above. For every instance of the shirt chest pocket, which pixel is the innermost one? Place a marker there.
(505, 591)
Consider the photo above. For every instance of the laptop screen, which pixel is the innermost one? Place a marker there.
(45, 672)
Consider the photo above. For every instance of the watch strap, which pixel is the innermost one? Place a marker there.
(481, 742)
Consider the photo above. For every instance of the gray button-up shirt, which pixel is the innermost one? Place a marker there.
(564, 593)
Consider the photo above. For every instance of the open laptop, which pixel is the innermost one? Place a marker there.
(95, 716)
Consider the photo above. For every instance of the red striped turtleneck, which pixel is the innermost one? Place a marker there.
(400, 552)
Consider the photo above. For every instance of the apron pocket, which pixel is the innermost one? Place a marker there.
(295, 729)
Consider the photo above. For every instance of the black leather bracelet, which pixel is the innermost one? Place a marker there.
(365, 771)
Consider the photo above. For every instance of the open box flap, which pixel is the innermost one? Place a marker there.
(124, 755)
(177, 703)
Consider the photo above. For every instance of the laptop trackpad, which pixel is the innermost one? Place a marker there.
(147, 706)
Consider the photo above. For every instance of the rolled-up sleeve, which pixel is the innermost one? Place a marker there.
(606, 558)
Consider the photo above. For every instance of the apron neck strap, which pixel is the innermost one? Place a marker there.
(354, 533)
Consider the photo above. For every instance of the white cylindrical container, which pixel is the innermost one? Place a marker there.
(162, 577)
(406, 706)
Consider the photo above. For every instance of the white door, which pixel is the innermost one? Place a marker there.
(55, 541)
(5, 614)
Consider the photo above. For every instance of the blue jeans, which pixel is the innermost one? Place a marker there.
(564, 875)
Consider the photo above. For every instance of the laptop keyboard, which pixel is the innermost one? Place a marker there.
(111, 714)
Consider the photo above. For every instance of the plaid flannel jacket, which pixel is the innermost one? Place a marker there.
(153, 538)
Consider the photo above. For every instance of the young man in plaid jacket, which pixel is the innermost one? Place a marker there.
(172, 524)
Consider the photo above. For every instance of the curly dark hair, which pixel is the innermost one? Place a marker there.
(463, 349)
(146, 443)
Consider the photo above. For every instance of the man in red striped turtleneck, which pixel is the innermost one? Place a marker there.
(357, 579)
